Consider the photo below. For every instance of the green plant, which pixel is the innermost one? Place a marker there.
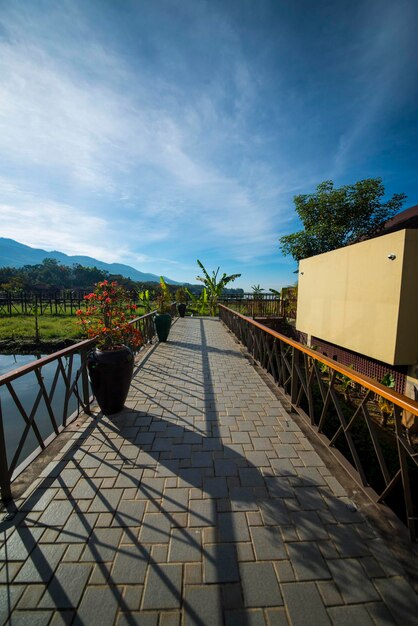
(346, 384)
(214, 286)
(275, 292)
(144, 298)
(163, 297)
(385, 406)
(257, 292)
(199, 303)
(107, 317)
(181, 295)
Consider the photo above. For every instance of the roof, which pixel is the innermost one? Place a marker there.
(404, 219)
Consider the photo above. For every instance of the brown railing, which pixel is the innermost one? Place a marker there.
(51, 405)
(344, 408)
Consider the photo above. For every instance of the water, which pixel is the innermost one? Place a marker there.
(26, 389)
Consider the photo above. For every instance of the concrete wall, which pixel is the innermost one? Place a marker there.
(357, 298)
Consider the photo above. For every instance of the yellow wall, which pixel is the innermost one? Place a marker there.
(357, 298)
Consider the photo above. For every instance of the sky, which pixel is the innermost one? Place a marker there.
(156, 132)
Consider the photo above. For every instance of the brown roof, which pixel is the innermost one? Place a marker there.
(404, 219)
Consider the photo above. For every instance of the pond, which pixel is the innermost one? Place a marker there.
(27, 388)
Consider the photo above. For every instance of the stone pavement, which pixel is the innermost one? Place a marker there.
(201, 503)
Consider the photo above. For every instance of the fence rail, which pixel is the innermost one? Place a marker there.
(50, 411)
(342, 407)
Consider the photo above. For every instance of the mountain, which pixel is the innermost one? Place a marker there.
(15, 254)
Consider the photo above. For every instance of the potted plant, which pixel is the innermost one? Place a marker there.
(110, 364)
(162, 317)
(181, 299)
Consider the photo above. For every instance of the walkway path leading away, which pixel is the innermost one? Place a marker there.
(201, 503)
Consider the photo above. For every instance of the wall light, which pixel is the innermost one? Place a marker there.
(391, 256)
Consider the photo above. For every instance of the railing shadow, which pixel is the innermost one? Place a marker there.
(141, 450)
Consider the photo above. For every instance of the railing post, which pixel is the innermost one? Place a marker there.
(294, 387)
(85, 381)
(6, 492)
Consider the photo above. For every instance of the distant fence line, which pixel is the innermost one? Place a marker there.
(68, 301)
(45, 302)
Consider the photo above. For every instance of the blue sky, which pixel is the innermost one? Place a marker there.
(155, 132)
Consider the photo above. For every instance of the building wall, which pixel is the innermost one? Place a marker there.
(356, 298)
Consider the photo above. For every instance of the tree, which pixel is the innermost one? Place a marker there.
(213, 286)
(333, 218)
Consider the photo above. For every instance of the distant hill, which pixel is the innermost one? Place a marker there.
(15, 254)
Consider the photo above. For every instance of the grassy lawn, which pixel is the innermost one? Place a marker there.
(51, 327)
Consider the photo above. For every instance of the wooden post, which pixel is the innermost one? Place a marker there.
(294, 380)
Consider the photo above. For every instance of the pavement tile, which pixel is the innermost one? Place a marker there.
(98, 606)
(185, 545)
(102, 545)
(56, 513)
(176, 499)
(268, 544)
(41, 564)
(260, 586)
(352, 582)
(201, 513)
(220, 563)
(304, 604)
(163, 587)
(32, 618)
(253, 617)
(202, 605)
(349, 615)
(129, 566)
(307, 561)
(66, 588)
(400, 598)
(155, 528)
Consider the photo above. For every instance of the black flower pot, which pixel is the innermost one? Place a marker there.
(162, 325)
(110, 373)
(181, 308)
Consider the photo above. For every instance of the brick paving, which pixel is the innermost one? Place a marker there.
(201, 503)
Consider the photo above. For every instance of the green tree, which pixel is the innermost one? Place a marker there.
(214, 286)
(333, 218)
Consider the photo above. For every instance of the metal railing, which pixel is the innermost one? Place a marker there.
(342, 407)
(51, 404)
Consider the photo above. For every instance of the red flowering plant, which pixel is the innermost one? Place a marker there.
(108, 312)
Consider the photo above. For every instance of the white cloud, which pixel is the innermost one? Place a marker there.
(100, 133)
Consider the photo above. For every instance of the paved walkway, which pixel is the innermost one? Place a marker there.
(201, 503)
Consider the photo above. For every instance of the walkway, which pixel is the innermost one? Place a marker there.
(201, 503)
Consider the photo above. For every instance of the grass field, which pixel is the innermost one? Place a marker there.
(51, 327)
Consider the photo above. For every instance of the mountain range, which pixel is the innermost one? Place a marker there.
(15, 254)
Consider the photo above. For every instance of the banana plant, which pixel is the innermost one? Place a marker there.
(144, 298)
(214, 286)
(200, 302)
(257, 292)
(163, 297)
